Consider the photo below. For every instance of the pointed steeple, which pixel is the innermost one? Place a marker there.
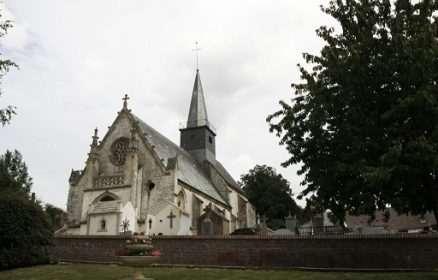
(198, 136)
(198, 111)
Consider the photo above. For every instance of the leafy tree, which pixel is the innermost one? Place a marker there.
(52, 211)
(5, 65)
(364, 123)
(13, 173)
(25, 229)
(25, 233)
(270, 194)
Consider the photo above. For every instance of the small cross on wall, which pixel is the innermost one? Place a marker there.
(171, 217)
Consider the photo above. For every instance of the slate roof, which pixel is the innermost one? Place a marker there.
(224, 173)
(198, 111)
(189, 170)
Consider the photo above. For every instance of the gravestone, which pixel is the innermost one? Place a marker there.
(318, 224)
(291, 223)
(263, 228)
(207, 227)
(212, 222)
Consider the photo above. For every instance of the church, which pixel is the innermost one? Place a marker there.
(137, 180)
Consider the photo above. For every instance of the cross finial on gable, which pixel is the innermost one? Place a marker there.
(125, 101)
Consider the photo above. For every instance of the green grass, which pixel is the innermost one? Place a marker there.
(112, 272)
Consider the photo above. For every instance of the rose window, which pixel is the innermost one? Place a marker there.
(119, 151)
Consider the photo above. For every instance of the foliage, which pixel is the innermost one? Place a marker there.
(364, 124)
(52, 211)
(270, 194)
(13, 173)
(111, 272)
(25, 232)
(5, 65)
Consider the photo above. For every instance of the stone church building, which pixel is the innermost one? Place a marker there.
(137, 180)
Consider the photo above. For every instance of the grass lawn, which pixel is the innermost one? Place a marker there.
(107, 272)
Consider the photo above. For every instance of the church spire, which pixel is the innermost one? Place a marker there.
(198, 136)
(198, 111)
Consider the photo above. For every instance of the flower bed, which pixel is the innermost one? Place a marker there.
(138, 246)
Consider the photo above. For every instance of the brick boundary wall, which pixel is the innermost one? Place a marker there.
(398, 251)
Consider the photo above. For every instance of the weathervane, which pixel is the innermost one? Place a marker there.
(197, 49)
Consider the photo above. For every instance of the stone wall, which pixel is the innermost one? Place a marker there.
(400, 251)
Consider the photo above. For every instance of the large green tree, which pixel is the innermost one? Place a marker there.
(13, 173)
(26, 232)
(5, 64)
(364, 123)
(270, 194)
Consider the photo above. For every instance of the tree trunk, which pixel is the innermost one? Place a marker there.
(435, 212)
(434, 194)
(435, 208)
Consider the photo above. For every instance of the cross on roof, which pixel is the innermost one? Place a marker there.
(171, 216)
(125, 101)
(197, 49)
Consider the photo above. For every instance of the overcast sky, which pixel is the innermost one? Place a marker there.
(78, 58)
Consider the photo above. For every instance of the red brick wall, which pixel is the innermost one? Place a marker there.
(401, 251)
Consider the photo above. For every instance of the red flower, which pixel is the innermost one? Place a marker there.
(122, 251)
(156, 253)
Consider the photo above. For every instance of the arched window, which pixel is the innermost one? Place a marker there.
(181, 201)
(102, 225)
(107, 198)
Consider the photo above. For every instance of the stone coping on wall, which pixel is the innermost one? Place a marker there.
(266, 237)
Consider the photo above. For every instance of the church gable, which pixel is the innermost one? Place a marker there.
(123, 135)
(114, 148)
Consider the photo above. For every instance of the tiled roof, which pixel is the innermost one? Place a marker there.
(395, 222)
